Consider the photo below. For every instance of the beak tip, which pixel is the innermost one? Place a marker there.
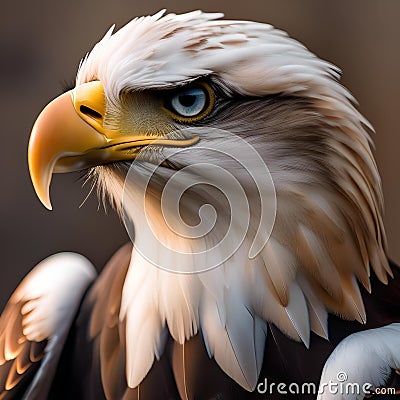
(41, 184)
(45, 200)
(48, 206)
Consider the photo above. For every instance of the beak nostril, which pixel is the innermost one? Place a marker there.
(90, 112)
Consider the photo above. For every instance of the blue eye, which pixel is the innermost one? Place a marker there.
(189, 102)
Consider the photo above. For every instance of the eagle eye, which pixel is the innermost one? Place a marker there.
(190, 103)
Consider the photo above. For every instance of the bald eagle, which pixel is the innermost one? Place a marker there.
(244, 175)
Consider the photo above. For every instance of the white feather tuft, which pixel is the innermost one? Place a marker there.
(363, 358)
(51, 294)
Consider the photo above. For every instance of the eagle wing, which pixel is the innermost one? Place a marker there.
(35, 324)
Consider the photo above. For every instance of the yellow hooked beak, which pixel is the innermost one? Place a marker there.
(69, 135)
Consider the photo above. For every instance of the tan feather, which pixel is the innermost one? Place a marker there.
(281, 267)
(316, 261)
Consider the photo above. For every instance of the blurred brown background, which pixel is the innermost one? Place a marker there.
(41, 43)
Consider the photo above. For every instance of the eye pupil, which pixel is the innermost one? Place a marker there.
(187, 100)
